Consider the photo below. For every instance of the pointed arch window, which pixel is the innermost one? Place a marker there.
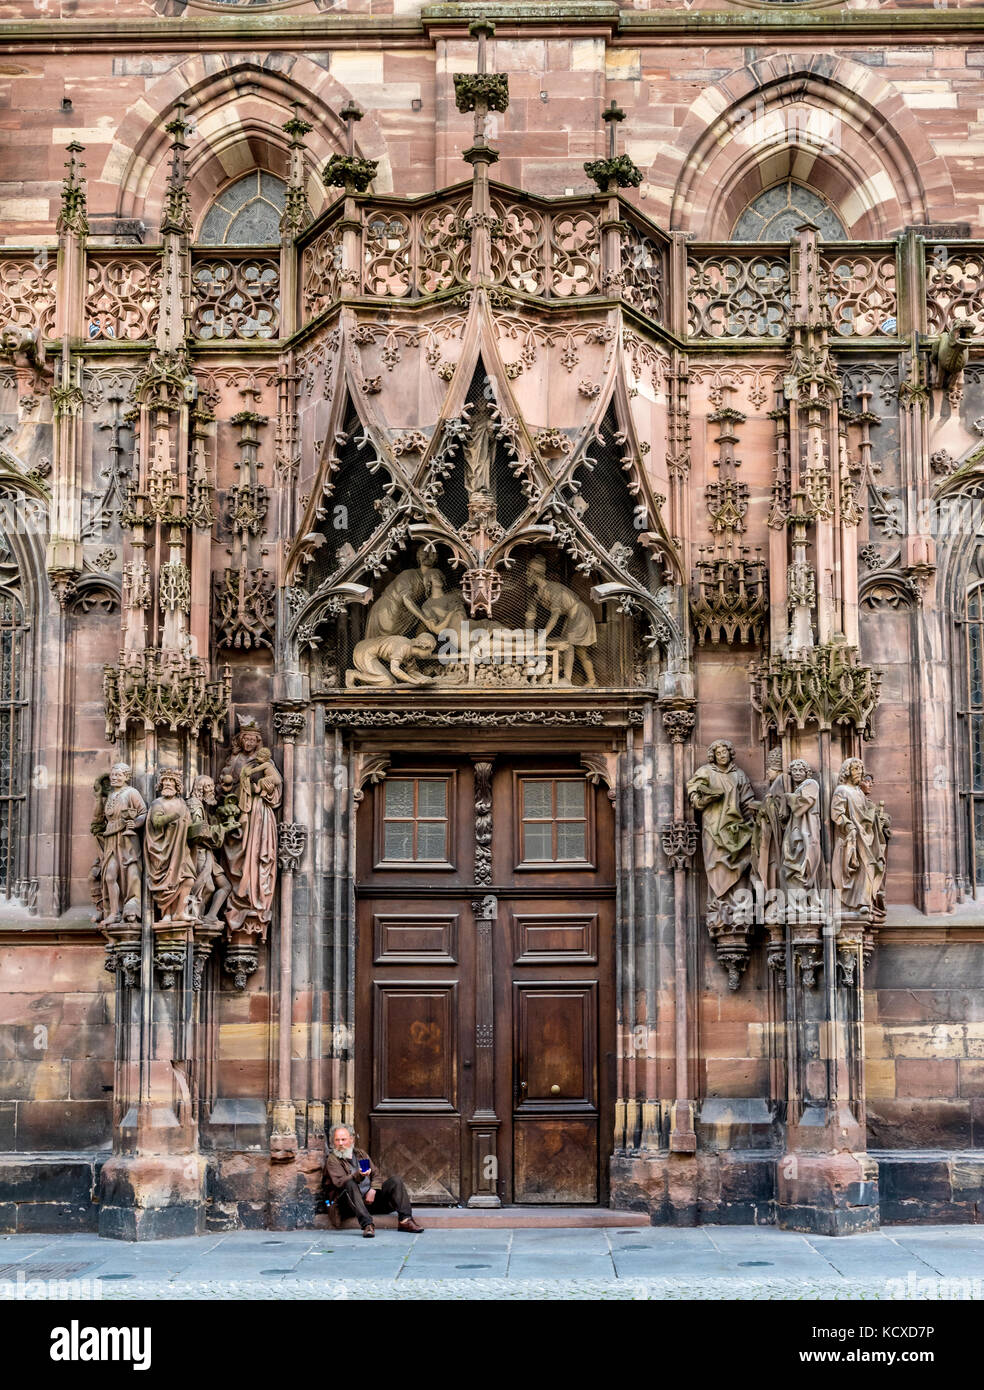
(775, 214)
(13, 704)
(247, 213)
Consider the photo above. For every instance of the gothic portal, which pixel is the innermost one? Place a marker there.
(491, 628)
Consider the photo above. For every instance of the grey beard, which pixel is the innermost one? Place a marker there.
(344, 1153)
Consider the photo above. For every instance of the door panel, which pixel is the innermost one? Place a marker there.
(555, 938)
(556, 1161)
(555, 1046)
(416, 1062)
(424, 1150)
(415, 939)
(556, 1115)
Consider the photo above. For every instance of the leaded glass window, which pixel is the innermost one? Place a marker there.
(247, 213)
(554, 820)
(415, 820)
(775, 215)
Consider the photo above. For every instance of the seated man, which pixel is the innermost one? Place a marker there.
(350, 1185)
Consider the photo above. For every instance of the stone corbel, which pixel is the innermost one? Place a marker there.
(369, 767)
(679, 720)
(602, 769)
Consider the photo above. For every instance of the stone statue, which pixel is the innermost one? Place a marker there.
(378, 661)
(854, 867)
(444, 609)
(125, 812)
(478, 457)
(723, 794)
(561, 602)
(881, 826)
(769, 826)
(802, 852)
(100, 790)
(399, 603)
(169, 857)
(250, 847)
(205, 835)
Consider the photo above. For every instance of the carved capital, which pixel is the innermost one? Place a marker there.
(292, 842)
(289, 724)
(679, 841)
(679, 721)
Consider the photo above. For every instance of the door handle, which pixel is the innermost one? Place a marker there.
(555, 1090)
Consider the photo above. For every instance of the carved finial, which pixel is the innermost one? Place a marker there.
(347, 170)
(176, 214)
(611, 116)
(481, 91)
(296, 213)
(617, 170)
(72, 217)
(350, 113)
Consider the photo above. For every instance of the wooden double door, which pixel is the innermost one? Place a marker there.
(485, 1003)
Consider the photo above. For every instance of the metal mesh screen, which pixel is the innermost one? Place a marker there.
(608, 509)
(352, 511)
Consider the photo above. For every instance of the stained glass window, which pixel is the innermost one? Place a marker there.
(776, 214)
(247, 213)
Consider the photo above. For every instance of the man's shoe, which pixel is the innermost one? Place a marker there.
(368, 1232)
(410, 1225)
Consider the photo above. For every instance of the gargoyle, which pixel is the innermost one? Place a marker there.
(22, 347)
(950, 351)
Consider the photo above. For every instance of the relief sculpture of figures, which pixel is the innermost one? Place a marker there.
(721, 791)
(397, 610)
(379, 661)
(169, 857)
(122, 854)
(251, 848)
(854, 869)
(561, 602)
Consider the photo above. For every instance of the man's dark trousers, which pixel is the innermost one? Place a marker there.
(392, 1196)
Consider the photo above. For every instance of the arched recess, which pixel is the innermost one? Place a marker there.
(958, 517)
(24, 601)
(238, 108)
(828, 122)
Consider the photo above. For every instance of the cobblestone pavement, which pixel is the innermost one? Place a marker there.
(713, 1262)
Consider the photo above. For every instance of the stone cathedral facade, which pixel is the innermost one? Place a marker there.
(491, 608)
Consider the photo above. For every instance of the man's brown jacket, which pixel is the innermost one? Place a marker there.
(337, 1173)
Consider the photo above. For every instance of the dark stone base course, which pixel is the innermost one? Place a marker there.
(150, 1223)
(244, 1191)
(931, 1188)
(45, 1195)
